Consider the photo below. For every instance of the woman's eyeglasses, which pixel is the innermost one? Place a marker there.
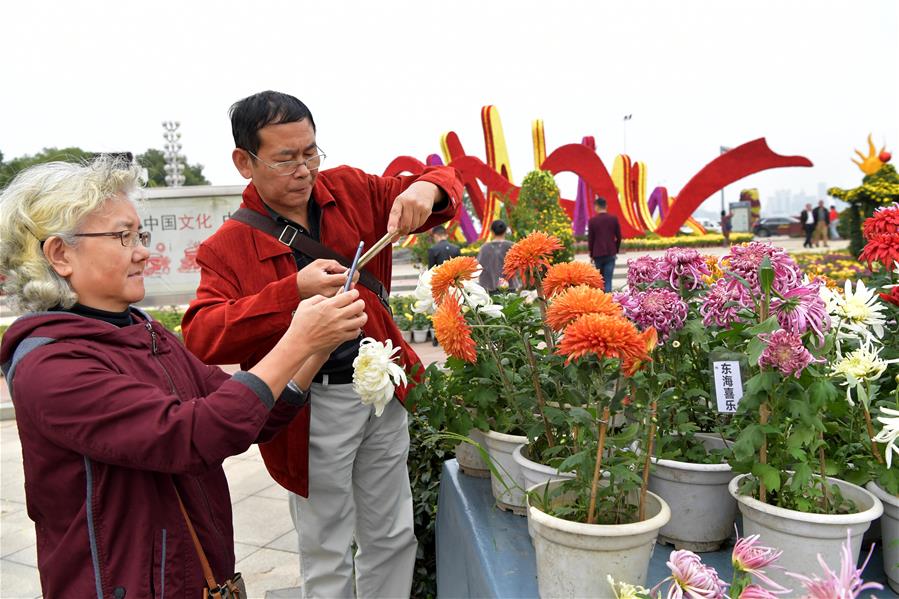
(128, 238)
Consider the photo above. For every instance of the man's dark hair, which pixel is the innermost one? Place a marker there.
(254, 112)
(438, 230)
(723, 213)
(499, 227)
(601, 202)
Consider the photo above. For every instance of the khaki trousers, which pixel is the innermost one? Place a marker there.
(820, 233)
(358, 490)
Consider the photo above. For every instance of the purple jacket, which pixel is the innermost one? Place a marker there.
(603, 235)
(111, 420)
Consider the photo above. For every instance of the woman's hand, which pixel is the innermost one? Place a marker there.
(321, 324)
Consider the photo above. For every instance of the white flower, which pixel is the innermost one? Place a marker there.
(529, 295)
(859, 366)
(424, 300)
(624, 590)
(889, 433)
(857, 313)
(375, 375)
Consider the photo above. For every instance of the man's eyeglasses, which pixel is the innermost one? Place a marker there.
(128, 238)
(289, 167)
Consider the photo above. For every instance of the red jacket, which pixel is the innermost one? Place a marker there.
(111, 420)
(248, 289)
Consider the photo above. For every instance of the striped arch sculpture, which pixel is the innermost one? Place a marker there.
(488, 183)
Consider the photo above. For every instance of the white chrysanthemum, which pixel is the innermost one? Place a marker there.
(529, 295)
(375, 374)
(857, 313)
(860, 366)
(424, 300)
(477, 297)
(624, 590)
(889, 433)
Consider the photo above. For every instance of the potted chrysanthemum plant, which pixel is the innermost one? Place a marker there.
(763, 306)
(691, 471)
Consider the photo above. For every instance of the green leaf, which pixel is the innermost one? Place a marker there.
(768, 475)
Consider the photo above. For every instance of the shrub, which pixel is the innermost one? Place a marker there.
(538, 209)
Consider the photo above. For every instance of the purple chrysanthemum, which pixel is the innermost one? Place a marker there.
(643, 270)
(683, 264)
(660, 308)
(786, 352)
(744, 260)
(802, 309)
(691, 579)
(722, 302)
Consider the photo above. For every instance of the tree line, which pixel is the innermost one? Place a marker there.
(153, 160)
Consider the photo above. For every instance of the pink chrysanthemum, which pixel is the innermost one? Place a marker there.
(660, 308)
(745, 259)
(755, 591)
(802, 309)
(750, 557)
(723, 301)
(786, 353)
(683, 266)
(691, 578)
(847, 584)
(643, 270)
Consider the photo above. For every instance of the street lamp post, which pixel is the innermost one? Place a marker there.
(626, 118)
(174, 176)
(723, 150)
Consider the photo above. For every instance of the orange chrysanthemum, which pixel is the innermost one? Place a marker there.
(530, 255)
(603, 336)
(452, 331)
(570, 274)
(452, 273)
(650, 339)
(574, 302)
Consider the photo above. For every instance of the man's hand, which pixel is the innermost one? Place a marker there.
(322, 277)
(413, 207)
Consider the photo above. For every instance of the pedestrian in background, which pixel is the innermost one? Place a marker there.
(821, 219)
(834, 217)
(604, 241)
(442, 250)
(726, 226)
(491, 257)
(808, 225)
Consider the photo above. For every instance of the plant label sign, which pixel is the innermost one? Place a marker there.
(728, 385)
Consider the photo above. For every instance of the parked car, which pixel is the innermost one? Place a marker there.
(710, 225)
(778, 225)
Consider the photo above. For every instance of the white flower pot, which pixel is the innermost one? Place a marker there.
(574, 559)
(803, 536)
(702, 509)
(509, 497)
(471, 462)
(407, 335)
(532, 473)
(889, 530)
(419, 335)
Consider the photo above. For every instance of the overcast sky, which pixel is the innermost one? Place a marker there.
(388, 78)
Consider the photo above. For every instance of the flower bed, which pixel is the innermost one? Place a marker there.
(838, 265)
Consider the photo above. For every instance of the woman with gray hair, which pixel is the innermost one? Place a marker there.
(123, 431)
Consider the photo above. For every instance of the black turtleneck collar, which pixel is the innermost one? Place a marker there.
(119, 319)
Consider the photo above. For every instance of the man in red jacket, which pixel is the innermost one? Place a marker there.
(345, 468)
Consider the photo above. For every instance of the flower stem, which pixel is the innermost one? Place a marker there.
(550, 439)
(764, 412)
(649, 450)
(821, 463)
(874, 449)
(542, 303)
(603, 424)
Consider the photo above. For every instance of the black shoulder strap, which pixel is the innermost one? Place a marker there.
(291, 237)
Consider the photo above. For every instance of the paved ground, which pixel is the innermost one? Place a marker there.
(265, 543)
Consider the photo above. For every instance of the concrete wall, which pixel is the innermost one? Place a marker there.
(180, 218)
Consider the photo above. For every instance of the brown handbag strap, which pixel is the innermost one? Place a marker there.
(207, 571)
(291, 237)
